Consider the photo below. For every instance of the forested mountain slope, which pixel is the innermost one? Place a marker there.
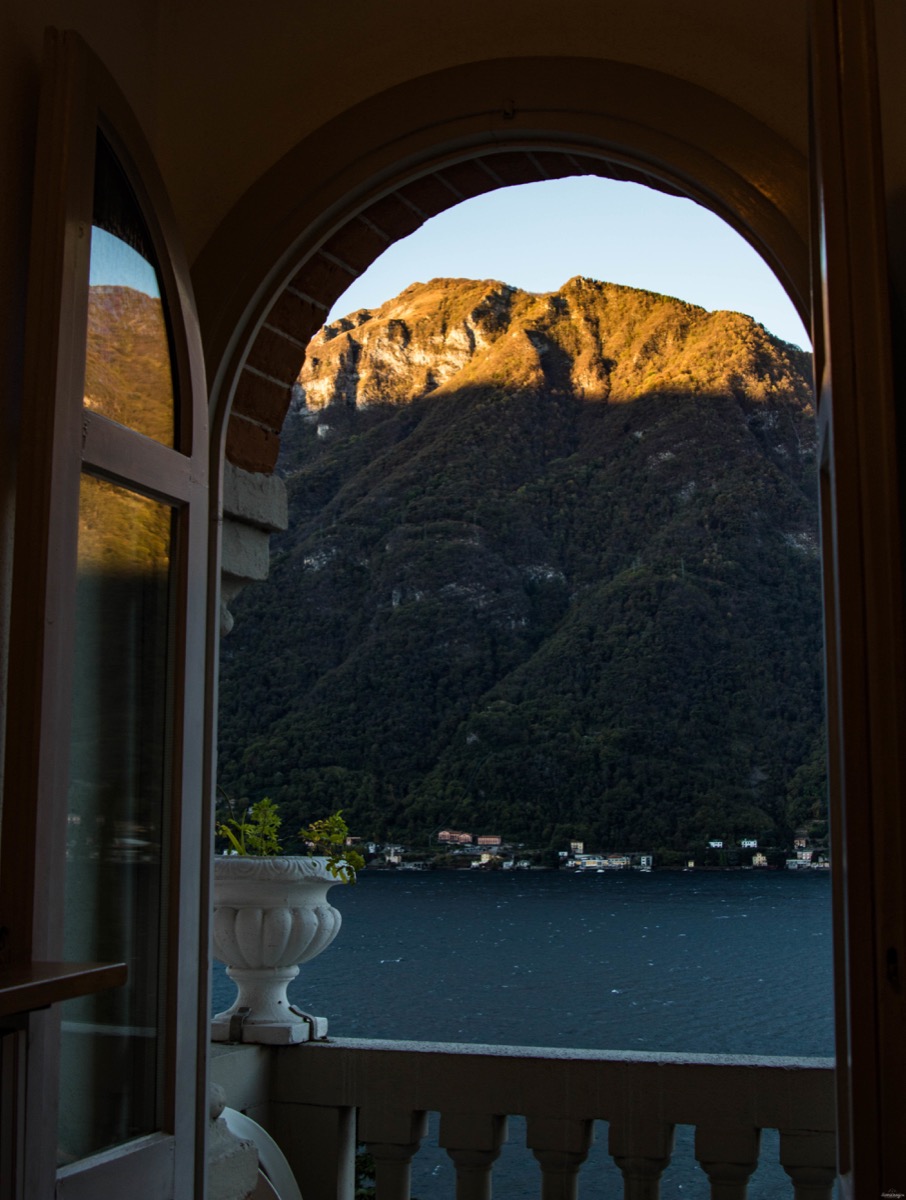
(551, 571)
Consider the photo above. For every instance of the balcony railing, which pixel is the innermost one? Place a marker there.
(320, 1099)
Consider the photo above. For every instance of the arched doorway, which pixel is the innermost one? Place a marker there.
(268, 276)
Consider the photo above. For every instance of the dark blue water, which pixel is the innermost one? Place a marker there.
(724, 962)
(623, 961)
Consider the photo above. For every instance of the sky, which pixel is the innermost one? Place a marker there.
(539, 235)
(113, 262)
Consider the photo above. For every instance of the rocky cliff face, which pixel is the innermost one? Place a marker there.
(551, 572)
(597, 340)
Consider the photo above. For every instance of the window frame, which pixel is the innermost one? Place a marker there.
(60, 439)
(862, 490)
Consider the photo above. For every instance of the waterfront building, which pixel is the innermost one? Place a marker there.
(587, 862)
(454, 837)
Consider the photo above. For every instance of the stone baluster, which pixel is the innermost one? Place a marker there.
(473, 1141)
(728, 1157)
(232, 1161)
(392, 1137)
(810, 1160)
(642, 1150)
(561, 1147)
(319, 1141)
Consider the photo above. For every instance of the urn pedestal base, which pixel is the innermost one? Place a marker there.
(262, 1013)
(307, 1029)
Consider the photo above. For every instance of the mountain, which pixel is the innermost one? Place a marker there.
(127, 370)
(552, 571)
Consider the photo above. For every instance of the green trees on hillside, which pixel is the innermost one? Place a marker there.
(524, 610)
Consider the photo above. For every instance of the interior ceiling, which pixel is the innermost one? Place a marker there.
(239, 91)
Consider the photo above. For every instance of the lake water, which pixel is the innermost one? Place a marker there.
(722, 962)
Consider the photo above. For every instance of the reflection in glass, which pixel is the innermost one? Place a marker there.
(117, 819)
(127, 370)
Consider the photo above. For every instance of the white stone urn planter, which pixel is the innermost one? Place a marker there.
(270, 915)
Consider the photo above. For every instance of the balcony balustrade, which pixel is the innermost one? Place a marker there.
(320, 1100)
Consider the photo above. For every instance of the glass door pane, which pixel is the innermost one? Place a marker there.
(128, 375)
(118, 816)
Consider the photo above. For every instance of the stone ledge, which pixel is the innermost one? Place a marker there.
(245, 554)
(254, 506)
(254, 498)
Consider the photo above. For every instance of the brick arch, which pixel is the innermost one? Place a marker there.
(313, 222)
(300, 309)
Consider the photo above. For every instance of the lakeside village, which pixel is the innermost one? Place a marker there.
(455, 849)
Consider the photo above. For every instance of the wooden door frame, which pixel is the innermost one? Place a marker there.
(862, 491)
(60, 438)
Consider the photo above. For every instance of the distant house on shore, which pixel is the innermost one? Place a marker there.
(601, 862)
(805, 859)
(454, 837)
(587, 862)
(489, 839)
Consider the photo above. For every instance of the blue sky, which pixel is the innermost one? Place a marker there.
(541, 234)
(113, 262)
